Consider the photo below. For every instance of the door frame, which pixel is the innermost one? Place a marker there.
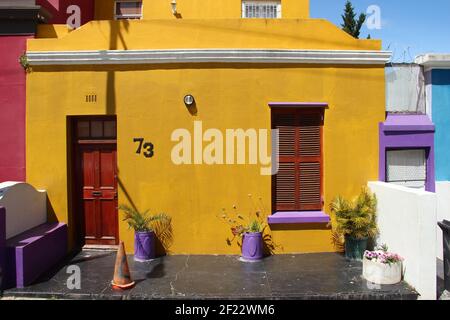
(75, 193)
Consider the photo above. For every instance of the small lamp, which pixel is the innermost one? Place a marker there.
(189, 100)
(174, 6)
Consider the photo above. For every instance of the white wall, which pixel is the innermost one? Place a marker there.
(407, 222)
(405, 88)
(26, 207)
(443, 211)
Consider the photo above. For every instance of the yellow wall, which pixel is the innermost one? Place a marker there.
(52, 30)
(199, 9)
(148, 101)
(219, 33)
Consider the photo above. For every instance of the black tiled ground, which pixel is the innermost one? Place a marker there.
(309, 276)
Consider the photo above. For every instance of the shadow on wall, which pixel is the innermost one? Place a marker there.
(116, 38)
(441, 77)
(163, 229)
(51, 214)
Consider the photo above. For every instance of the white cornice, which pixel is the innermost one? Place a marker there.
(101, 57)
(434, 60)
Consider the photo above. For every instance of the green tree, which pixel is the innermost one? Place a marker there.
(351, 25)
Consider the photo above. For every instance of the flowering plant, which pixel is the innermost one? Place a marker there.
(241, 224)
(381, 255)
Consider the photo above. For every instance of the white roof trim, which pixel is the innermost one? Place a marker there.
(434, 60)
(36, 58)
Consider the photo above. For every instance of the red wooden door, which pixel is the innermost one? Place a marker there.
(98, 173)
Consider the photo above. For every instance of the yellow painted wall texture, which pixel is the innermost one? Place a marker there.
(148, 101)
(199, 9)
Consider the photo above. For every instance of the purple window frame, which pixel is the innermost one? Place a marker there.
(405, 132)
(298, 217)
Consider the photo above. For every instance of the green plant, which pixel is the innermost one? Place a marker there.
(142, 221)
(23, 60)
(240, 224)
(357, 218)
(350, 24)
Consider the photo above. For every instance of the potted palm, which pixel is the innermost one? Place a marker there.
(356, 222)
(144, 226)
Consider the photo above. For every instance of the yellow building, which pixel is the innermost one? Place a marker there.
(143, 106)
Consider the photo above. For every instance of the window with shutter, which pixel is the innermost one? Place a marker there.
(407, 167)
(298, 183)
(128, 9)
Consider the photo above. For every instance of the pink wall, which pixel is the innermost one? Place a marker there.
(58, 9)
(12, 109)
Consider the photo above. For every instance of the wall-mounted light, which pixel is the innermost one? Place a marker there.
(174, 7)
(189, 100)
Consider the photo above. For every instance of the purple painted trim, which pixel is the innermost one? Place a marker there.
(400, 123)
(299, 217)
(408, 132)
(2, 245)
(430, 128)
(298, 104)
(34, 252)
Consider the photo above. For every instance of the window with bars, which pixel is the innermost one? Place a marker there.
(407, 167)
(298, 183)
(125, 9)
(261, 9)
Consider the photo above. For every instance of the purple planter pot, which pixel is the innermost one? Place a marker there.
(144, 246)
(252, 246)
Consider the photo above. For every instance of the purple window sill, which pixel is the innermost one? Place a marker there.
(296, 217)
(299, 104)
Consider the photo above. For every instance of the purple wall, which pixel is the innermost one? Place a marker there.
(408, 132)
(34, 252)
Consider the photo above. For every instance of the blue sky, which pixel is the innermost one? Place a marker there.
(408, 28)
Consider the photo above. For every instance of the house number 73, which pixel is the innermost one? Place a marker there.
(145, 148)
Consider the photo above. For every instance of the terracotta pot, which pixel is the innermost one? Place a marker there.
(381, 273)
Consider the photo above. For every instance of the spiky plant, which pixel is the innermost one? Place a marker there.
(356, 219)
(143, 221)
(256, 226)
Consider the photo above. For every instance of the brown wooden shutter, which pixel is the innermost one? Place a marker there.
(298, 184)
(286, 193)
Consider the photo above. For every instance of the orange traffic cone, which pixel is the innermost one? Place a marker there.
(122, 276)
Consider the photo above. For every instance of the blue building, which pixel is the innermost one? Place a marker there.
(437, 79)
